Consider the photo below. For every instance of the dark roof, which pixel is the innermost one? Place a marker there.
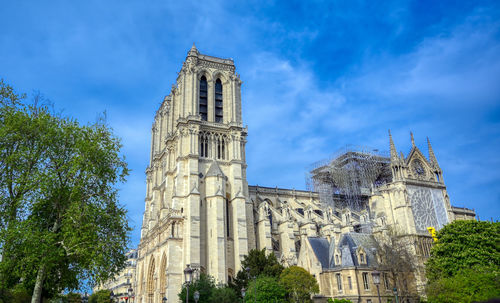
(320, 247)
(355, 240)
(348, 245)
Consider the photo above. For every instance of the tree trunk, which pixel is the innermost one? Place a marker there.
(37, 292)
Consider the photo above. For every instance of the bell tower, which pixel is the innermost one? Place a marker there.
(197, 210)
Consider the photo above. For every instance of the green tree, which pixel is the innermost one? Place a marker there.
(60, 221)
(101, 296)
(73, 298)
(258, 264)
(205, 285)
(223, 294)
(265, 289)
(465, 287)
(298, 283)
(261, 264)
(464, 263)
(462, 245)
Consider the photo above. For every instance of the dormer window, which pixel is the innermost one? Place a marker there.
(337, 260)
(203, 106)
(219, 109)
(362, 258)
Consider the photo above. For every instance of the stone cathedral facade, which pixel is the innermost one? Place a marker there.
(199, 209)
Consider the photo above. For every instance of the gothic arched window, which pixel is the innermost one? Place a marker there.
(218, 102)
(203, 107)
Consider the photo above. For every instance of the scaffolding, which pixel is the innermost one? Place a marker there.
(347, 178)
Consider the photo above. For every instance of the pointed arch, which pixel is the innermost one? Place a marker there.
(150, 286)
(219, 104)
(203, 98)
(163, 275)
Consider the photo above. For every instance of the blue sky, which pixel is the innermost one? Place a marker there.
(317, 76)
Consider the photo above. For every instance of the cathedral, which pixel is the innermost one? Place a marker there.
(199, 209)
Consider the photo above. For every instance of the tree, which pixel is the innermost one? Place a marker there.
(463, 245)
(223, 294)
(396, 258)
(205, 285)
(259, 264)
(265, 289)
(60, 221)
(298, 283)
(464, 263)
(101, 296)
(464, 287)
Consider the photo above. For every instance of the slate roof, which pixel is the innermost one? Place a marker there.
(348, 245)
(320, 247)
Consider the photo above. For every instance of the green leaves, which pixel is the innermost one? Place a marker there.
(464, 263)
(59, 205)
(298, 283)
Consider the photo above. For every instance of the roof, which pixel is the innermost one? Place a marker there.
(348, 246)
(320, 247)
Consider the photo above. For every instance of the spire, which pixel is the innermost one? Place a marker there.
(394, 153)
(193, 51)
(432, 157)
(412, 140)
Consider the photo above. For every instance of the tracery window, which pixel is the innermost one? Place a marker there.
(203, 145)
(219, 115)
(203, 106)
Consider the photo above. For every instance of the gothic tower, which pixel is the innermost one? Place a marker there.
(196, 211)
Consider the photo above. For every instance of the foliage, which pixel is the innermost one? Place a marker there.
(330, 300)
(73, 298)
(462, 245)
(60, 221)
(265, 289)
(464, 287)
(464, 263)
(101, 296)
(223, 294)
(298, 283)
(204, 285)
(259, 264)
(18, 294)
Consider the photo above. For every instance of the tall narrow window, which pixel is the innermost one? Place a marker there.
(365, 281)
(218, 102)
(339, 282)
(349, 281)
(203, 98)
(386, 281)
(227, 218)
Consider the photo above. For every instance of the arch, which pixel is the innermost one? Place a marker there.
(204, 144)
(203, 98)
(141, 280)
(219, 103)
(163, 275)
(150, 286)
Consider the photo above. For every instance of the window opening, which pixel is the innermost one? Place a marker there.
(339, 282)
(365, 281)
(218, 102)
(203, 106)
